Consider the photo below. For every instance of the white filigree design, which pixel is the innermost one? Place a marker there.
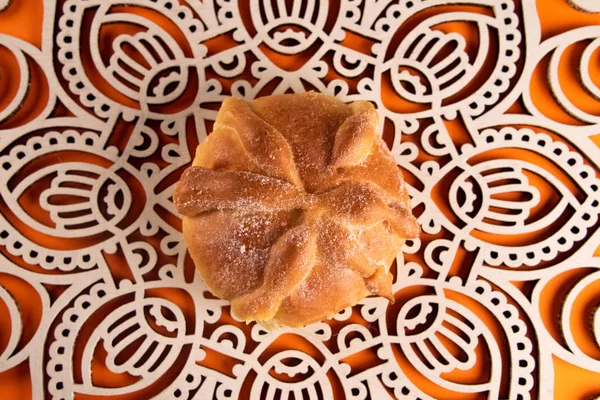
(137, 83)
(274, 23)
(101, 297)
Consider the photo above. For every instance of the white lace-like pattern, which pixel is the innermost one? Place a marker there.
(138, 82)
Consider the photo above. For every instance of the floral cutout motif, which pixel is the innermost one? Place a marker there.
(504, 186)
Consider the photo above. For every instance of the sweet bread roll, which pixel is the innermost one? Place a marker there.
(294, 208)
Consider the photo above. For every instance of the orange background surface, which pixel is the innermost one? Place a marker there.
(23, 19)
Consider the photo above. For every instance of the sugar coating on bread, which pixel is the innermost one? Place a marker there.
(294, 208)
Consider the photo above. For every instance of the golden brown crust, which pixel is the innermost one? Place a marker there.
(354, 138)
(202, 190)
(294, 208)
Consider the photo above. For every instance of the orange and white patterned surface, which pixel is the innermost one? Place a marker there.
(491, 108)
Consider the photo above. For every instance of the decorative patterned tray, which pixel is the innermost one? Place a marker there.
(491, 107)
